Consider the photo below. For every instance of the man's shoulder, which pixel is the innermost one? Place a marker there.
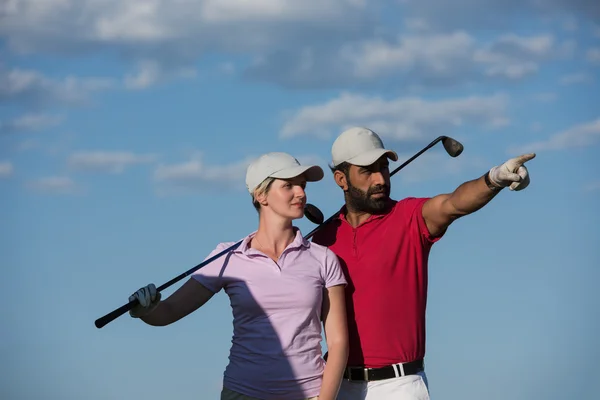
(410, 200)
(326, 235)
(408, 204)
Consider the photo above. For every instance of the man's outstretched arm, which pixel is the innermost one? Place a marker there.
(440, 211)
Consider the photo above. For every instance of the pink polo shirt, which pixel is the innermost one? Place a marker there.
(276, 344)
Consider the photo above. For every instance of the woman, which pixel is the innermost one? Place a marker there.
(280, 286)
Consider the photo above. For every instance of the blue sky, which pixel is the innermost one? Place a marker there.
(126, 127)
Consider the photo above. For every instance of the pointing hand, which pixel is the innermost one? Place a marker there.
(512, 173)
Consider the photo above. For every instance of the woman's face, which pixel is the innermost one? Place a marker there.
(286, 197)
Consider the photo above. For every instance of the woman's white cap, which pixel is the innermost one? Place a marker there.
(279, 165)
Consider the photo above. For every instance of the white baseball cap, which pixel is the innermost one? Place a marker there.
(359, 146)
(279, 165)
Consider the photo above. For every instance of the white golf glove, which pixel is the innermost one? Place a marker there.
(148, 298)
(512, 173)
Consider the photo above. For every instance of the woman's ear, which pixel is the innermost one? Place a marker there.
(261, 198)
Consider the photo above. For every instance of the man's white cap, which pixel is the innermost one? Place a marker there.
(359, 146)
(279, 165)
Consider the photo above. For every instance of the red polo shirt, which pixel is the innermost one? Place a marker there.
(385, 262)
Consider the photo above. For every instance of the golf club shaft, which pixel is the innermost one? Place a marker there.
(423, 150)
(404, 164)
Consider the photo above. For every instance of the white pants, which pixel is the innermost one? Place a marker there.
(410, 387)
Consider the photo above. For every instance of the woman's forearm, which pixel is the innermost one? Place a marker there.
(185, 300)
(337, 356)
(162, 315)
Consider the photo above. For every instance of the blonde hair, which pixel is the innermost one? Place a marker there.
(263, 188)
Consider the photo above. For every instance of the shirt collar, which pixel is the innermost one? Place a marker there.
(299, 241)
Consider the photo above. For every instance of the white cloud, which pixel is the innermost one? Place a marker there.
(147, 75)
(440, 53)
(583, 135)
(400, 119)
(30, 122)
(592, 187)
(576, 78)
(107, 161)
(6, 169)
(227, 68)
(494, 14)
(53, 185)
(513, 71)
(426, 59)
(570, 25)
(163, 38)
(195, 174)
(32, 87)
(593, 55)
(151, 72)
(285, 38)
(187, 25)
(515, 57)
(268, 10)
(416, 24)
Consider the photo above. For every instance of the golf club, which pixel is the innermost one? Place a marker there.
(311, 212)
(453, 147)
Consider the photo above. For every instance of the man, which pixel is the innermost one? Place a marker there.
(383, 245)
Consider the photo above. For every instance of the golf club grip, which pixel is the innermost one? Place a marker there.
(111, 316)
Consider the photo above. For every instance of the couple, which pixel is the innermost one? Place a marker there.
(364, 276)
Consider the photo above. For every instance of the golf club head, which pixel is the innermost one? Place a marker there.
(313, 214)
(453, 147)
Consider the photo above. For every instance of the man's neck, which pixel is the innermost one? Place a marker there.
(355, 217)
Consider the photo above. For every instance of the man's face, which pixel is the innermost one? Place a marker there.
(369, 187)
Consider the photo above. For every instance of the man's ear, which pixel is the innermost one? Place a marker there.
(341, 180)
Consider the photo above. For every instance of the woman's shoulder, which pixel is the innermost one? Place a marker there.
(321, 250)
(223, 246)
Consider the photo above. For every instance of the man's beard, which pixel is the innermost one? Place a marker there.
(359, 200)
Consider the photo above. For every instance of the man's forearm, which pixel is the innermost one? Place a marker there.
(470, 197)
(440, 211)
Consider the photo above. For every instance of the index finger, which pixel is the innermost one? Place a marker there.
(524, 158)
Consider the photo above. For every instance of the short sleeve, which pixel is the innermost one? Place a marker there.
(211, 275)
(414, 207)
(333, 274)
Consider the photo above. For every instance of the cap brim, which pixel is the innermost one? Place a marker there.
(312, 173)
(371, 156)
